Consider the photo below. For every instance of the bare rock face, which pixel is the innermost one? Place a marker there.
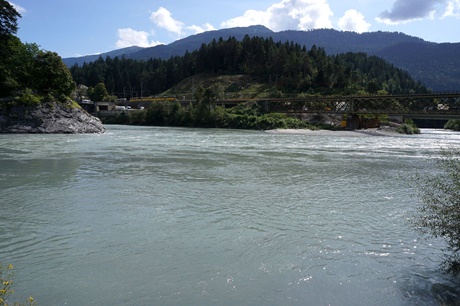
(49, 117)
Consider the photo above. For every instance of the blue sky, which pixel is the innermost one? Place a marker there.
(82, 27)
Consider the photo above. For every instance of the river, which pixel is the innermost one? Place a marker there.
(171, 216)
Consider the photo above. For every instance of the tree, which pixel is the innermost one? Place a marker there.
(98, 93)
(439, 211)
(8, 19)
(9, 44)
(24, 68)
(9, 50)
(51, 75)
(372, 87)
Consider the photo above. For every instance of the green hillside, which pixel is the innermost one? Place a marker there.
(288, 68)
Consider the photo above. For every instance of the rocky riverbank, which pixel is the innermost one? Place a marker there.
(51, 117)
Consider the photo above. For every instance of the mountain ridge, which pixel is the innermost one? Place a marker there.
(436, 67)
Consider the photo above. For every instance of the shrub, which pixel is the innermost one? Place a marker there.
(27, 97)
(137, 117)
(453, 124)
(266, 122)
(408, 127)
(6, 282)
(439, 211)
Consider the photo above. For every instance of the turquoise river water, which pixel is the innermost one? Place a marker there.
(169, 216)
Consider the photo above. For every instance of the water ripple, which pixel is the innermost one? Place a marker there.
(190, 216)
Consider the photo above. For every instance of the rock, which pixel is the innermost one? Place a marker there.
(49, 117)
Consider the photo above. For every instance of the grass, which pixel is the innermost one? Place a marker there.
(234, 86)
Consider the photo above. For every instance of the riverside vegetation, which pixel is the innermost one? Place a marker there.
(30, 77)
(204, 113)
(34, 82)
(439, 211)
(6, 283)
(262, 68)
(453, 124)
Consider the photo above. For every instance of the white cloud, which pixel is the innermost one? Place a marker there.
(80, 55)
(200, 29)
(453, 9)
(163, 18)
(249, 18)
(128, 37)
(18, 8)
(287, 15)
(353, 21)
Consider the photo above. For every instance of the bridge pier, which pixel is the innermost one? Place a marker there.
(356, 122)
(352, 122)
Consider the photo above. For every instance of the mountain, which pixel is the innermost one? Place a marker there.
(70, 61)
(335, 42)
(177, 48)
(194, 42)
(435, 65)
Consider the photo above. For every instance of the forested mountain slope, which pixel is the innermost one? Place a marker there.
(436, 65)
(288, 67)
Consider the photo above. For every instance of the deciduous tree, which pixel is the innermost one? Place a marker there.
(51, 75)
(98, 93)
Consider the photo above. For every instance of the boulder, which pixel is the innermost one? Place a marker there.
(51, 117)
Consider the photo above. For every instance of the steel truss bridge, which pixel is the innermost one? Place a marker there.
(426, 106)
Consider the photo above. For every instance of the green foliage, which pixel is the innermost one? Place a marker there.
(11, 50)
(165, 114)
(220, 117)
(24, 67)
(250, 108)
(205, 114)
(137, 118)
(269, 121)
(408, 127)
(98, 93)
(453, 124)
(266, 122)
(8, 19)
(121, 118)
(285, 67)
(439, 211)
(373, 87)
(51, 76)
(74, 105)
(6, 282)
(27, 97)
